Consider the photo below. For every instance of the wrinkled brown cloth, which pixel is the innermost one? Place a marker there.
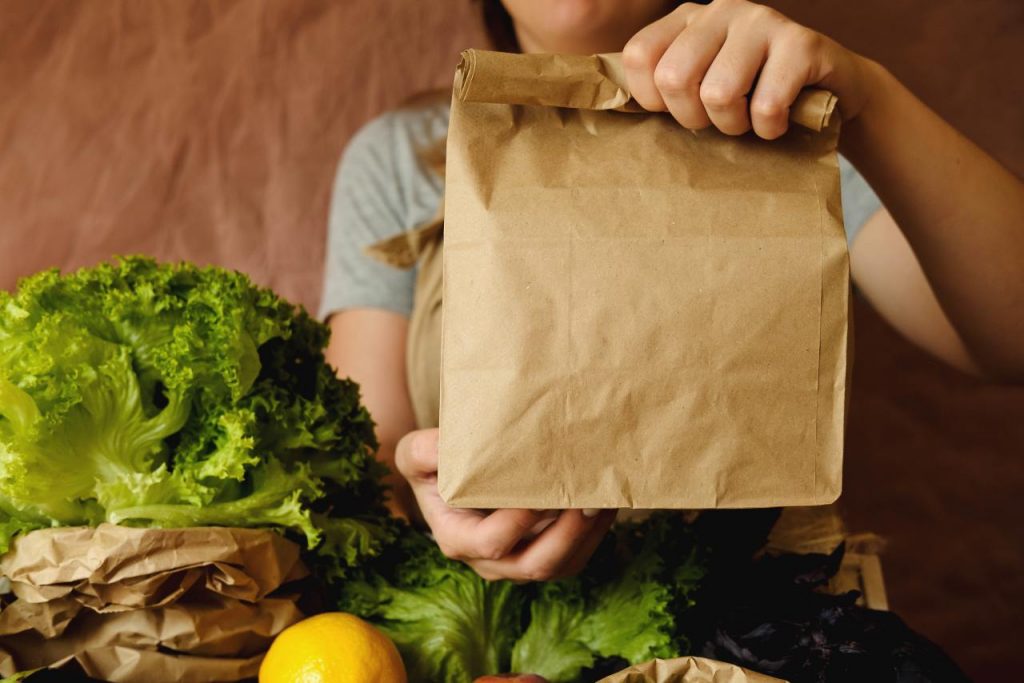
(421, 245)
(127, 604)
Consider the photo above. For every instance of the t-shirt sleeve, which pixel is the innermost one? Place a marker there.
(859, 200)
(367, 205)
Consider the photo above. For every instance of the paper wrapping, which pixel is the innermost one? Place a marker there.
(217, 626)
(687, 670)
(112, 568)
(125, 604)
(636, 315)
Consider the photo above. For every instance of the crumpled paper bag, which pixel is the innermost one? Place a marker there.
(636, 315)
(223, 629)
(687, 670)
(199, 604)
(128, 664)
(113, 567)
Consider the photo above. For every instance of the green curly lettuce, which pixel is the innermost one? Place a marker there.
(451, 626)
(625, 604)
(170, 395)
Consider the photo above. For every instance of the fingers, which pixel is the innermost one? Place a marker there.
(589, 544)
(503, 544)
(642, 53)
(700, 64)
(723, 91)
(681, 70)
(470, 534)
(416, 456)
(491, 537)
(789, 67)
(553, 552)
(460, 533)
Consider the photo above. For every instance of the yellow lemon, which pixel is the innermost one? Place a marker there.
(332, 648)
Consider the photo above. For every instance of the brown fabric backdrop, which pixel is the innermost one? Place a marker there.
(210, 131)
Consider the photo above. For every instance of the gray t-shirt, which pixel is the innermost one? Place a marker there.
(382, 188)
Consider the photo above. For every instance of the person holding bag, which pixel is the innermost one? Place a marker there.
(937, 251)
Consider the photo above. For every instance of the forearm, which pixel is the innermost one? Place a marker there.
(961, 211)
(368, 346)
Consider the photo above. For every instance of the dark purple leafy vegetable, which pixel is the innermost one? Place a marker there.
(769, 615)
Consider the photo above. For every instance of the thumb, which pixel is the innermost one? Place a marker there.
(416, 455)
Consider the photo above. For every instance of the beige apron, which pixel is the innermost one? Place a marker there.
(423, 348)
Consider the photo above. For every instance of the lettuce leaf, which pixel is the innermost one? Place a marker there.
(451, 626)
(169, 395)
(625, 604)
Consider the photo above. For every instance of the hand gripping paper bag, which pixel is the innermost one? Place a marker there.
(635, 314)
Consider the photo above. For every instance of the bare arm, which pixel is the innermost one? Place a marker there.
(951, 276)
(961, 217)
(889, 275)
(368, 345)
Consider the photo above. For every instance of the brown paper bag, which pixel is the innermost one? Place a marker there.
(125, 604)
(636, 315)
(215, 627)
(688, 670)
(112, 565)
(127, 665)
